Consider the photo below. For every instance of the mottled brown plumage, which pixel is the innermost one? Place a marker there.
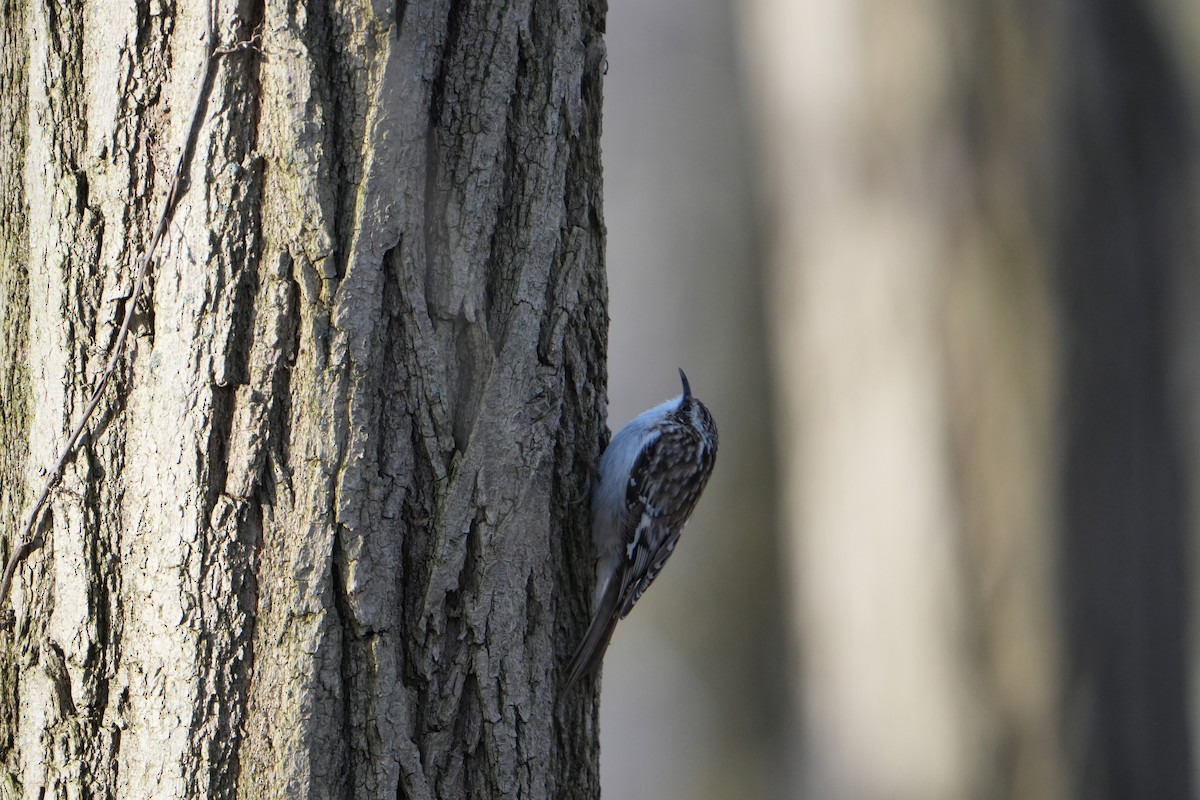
(651, 478)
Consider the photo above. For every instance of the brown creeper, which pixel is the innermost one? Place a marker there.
(651, 476)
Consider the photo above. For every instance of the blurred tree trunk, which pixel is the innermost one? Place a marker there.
(987, 224)
(888, 698)
(318, 540)
(1126, 247)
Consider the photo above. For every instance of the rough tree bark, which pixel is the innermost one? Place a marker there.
(318, 541)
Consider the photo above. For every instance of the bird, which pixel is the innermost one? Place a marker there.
(650, 479)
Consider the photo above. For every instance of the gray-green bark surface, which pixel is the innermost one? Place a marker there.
(318, 542)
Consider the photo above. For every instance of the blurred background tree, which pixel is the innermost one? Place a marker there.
(933, 266)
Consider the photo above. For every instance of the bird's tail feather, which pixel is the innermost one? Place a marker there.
(599, 633)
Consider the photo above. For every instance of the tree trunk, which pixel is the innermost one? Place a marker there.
(886, 697)
(324, 537)
(1126, 251)
(986, 321)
